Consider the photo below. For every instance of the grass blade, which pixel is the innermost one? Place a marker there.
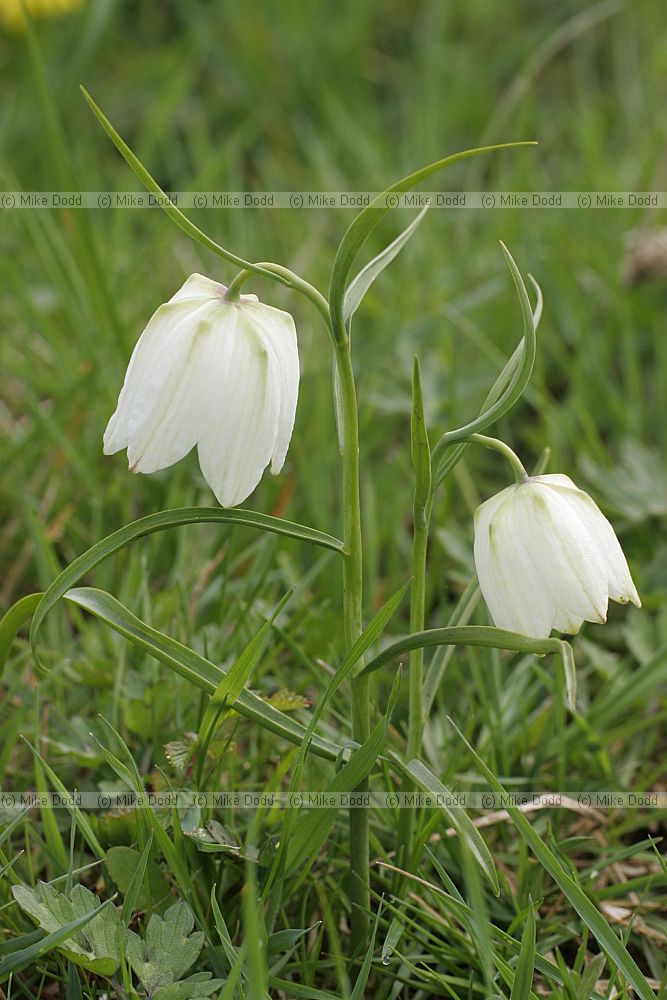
(165, 202)
(26, 957)
(193, 667)
(523, 978)
(11, 622)
(420, 775)
(591, 916)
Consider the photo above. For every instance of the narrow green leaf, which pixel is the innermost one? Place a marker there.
(499, 394)
(464, 635)
(26, 957)
(420, 449)
(193, 667)
(230, 951)
(50, 828)
(74, 991)
(11, 622)
(125, 864)
(519, 379)
(165, 202)
(308, 837)
(365, 278)
(589, 977)
(370, 634)
(81, 820)
(367, 220)
(591, 916)
(160, 522)
(523, 977)
(461, 615)
(171, 846)
(230, 687)
(458, 818)
(570, 671)
(136, 882)
(359, 990)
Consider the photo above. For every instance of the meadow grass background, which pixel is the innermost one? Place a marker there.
(308, 97)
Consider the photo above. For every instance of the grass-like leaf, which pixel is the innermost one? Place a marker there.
(523, 368)
(193, 667)
(12, 620)
(465, 635)
(160, 522)
(310, 834)
(363, 281)
(589, 913)
(370, 217)
(165, 202)
(424, 779)
(523, 977)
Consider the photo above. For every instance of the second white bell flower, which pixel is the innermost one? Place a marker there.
(547, 558)
(221, 375)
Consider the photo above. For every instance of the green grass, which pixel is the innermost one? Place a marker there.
(302, 96)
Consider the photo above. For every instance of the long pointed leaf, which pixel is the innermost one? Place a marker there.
(363, 281)
(517, 382)
(589, 913)
(161, 522)
(427, 781)
(11, 622)
(465, 635)
(192, 666)
(165, 202)
(523, 978)
(26, 957)
(311, 833)
(509, 383)
(369, 218)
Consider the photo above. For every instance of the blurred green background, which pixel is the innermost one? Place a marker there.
(317, 96)
(299, 97)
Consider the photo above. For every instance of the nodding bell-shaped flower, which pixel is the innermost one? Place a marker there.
(547, 558)
(219, 374)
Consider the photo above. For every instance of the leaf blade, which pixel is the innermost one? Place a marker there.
(161, 521)
(192, 666)
(608, 941)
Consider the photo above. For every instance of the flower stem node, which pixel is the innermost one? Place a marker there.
(547, 558)
(216, 373)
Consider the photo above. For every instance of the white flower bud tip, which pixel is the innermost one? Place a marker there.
(222, 375)
(547, 558)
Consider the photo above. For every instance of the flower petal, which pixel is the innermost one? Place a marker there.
(238, 441)
(157, 408)
(516, 595)
(565, 554)
(620, 585)
(279, 337)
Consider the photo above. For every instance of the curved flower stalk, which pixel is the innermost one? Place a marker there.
(547, 558)
(218, 373)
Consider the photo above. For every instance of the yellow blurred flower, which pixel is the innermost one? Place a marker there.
(12, 12)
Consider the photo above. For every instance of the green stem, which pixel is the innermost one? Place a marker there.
(504, 449)
(290, 279)
(416, 717)
(352, 619)
(422, 520)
